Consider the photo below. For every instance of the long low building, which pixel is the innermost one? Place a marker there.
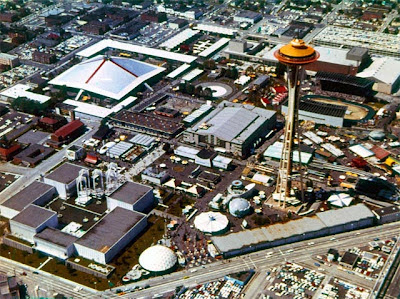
(319, 112)
(105, 44)
(322, 224)
(146, 123)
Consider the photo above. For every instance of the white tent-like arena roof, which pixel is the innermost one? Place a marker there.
(211, 222)
(158, 258)
(340, 200)
(112, 77)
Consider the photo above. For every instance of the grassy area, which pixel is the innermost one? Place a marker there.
(123, 263)
(33, 260)
(4, 225)
(58, 268)
(179, 203)
(130, 256)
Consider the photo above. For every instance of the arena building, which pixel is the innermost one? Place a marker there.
(234, 127)
(108, 77)
(320, 113)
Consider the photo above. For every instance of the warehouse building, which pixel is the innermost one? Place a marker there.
(9, 60)
(69, 131)
(385, 72)
(106, 239)
(63, 179)
(319, 112)
(322, 224)
(233, 127)
(387, 214)
(247, 16)
(36, 193)
(131, 196)
(31, 221)
(55, 243)
(146, 123)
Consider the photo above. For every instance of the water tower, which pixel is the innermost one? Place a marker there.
(295, 56)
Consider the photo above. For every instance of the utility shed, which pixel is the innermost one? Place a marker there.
(111, 234)
(63, 179)
(55, 242)
(31, 221)
(36, 193)
(131, 196)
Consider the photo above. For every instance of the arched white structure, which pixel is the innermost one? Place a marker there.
(211, 222)
(158, 258)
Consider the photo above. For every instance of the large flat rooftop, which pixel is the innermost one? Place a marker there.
(130, 192)
(33, 216)
(56, 236)
(147, 121)
(27, 196)
(65, 173)
(110, 229)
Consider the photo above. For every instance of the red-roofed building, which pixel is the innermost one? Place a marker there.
(91, 159)
(6, 153)
(279, 89)
(380, 153)
(69, 132)
(51, 124)
(359, 162)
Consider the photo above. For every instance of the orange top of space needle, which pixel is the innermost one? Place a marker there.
(296, 53)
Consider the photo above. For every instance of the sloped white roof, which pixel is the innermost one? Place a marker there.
(362, 151)
(211, 222)
(112, 77)
(340, 200)
(158, 258)
(385, 69)
(22, 90)
(108, 43)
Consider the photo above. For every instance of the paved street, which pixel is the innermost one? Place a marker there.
(33, 173)
(261, 262)
(44, 284)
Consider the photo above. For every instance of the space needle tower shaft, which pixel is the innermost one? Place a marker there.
(295, 56)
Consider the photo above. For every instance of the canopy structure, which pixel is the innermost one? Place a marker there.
(113, 77)
(340, 200)
(158, 258)
(239, 207)
(211, 222)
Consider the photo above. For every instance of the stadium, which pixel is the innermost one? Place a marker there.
(108, 77)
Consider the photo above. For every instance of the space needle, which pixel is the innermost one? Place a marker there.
(295, 56)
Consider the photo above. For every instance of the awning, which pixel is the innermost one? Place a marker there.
(91, 159)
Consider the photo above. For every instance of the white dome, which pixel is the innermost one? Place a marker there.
(239, 207)
(157, 258)
(211, 222)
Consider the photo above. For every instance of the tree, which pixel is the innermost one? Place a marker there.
(28, 106)
(207, 93)
(209, 64)
(198, 91)
(189, 88)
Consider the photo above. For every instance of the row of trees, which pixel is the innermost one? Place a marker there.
(199, 91)
(28, 106)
